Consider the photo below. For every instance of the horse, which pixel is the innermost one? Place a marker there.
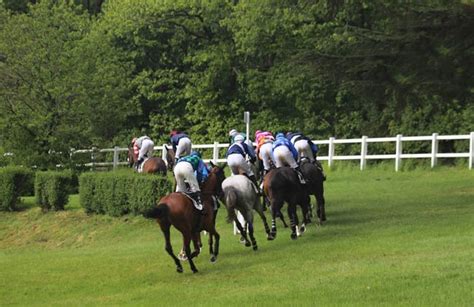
(178, 210)
(240, 194)
(153, 165)
(283, 185)
(314, 185)
(170, 155)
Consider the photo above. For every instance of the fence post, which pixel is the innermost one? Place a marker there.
(215, 153)
(331, 151)
(434, 150)
(471, 151)
(163, 154)
(398, 153)
(116, 157)
(93, 158)
(363, 152)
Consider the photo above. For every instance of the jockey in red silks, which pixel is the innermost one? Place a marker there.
(142, 148)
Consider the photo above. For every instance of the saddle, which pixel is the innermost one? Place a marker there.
(140, 167)
(195, 204)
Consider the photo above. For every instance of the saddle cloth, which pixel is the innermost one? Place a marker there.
(195, 204)
(140, 168)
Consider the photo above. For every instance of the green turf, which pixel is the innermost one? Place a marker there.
(391, 239)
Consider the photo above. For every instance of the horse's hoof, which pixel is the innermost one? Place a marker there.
(294, 236)
(324, 219)
(213, 259)
(242, 240)
(285, 226)
(179, 270)
(247, 244)
(255, 247)
(182, 257)
(195, 271)
(270, 238)
(302, 229)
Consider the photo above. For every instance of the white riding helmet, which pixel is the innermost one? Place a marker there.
(239, 138)
(233, 132)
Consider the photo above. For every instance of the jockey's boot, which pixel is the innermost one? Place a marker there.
(197, 197)
(254, 181)
(300, 175)
(320, 166)
(139, 162)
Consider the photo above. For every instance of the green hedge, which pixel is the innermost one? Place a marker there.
(14, 182)
(52, 189)
(118, 193)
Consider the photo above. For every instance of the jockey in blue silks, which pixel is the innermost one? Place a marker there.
(181, 144)
(306, 148)
(285, 154)
(236, 158)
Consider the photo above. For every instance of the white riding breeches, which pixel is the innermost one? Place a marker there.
(147, 149)
(183, 148)
(304, 150)
(237, 164)
(184, 172)
(265, 153)
(283, 157)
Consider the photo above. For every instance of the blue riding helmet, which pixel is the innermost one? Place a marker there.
(280, 135)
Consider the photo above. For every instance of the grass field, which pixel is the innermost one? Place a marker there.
(391, 238)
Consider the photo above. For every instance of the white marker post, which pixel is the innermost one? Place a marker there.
(247, 133)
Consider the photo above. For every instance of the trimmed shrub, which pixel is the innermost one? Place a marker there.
(52, 189)
(119, 193)
(14, 182)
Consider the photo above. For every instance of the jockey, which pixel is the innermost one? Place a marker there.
(236, 158)
(233, 133)
(306, 148)
(264, 141)
(181, 144)
(285, 153)
(192, 170)
(142, 148)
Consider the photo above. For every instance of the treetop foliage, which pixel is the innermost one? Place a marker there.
(75, 74)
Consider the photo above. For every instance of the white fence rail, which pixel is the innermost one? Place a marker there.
(364, 143)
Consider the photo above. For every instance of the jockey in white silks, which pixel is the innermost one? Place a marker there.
(264, 141)
(143, 148)
(285, 154)
(181, 144)
(236, 158)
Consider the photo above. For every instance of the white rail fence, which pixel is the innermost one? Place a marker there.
(331, 143)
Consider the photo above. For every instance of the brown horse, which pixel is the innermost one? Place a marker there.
(283, 185)
(314, 185)
(153, 165)
(178, 210)
(170, 155)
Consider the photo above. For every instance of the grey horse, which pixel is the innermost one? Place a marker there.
(240, 194)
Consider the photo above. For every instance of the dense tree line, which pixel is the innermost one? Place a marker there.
(79, 73)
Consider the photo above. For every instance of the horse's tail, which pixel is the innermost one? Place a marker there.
(231, 203)
(159, 212)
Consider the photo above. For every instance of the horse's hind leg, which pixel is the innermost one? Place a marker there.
(242, 231)
(213, 250)
(166, 231)
(293, 220)
(252, 238)
(197, 244)
(187, 250)
(321, 205)
(265, 224)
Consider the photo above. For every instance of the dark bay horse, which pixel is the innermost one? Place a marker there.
(170, 155)
(314, 185)
(178, 210)
(153, 165)
(283, 185)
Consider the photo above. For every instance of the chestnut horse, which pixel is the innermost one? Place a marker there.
(153, 165)
(178, 210)
(283, 185)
